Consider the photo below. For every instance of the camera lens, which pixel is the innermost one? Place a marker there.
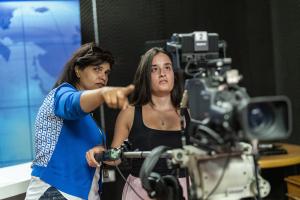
(261, 117)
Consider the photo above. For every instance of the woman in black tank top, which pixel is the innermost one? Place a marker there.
(153, 119)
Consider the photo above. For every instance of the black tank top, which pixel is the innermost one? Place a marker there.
(144, 138)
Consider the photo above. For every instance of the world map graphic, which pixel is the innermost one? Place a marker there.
(36, 40)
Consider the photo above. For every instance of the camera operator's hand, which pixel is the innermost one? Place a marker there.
(90, 156)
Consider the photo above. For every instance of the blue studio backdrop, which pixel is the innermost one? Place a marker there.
(36, 39)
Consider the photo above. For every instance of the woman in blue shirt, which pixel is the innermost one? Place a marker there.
(65, 130)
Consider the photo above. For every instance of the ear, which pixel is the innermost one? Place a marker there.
(77, 71)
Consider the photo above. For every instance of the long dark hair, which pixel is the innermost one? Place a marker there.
(142, 80)
(87, 54)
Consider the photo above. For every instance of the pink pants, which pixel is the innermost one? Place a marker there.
(129, 194)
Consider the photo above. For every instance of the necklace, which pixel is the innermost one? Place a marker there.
(161, 113)
(162, 122)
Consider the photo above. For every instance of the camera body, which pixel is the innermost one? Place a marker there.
(222, 113)
(198, 47)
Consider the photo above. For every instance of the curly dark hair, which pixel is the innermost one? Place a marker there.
(87, 54)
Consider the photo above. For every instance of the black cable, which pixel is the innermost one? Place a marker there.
(183, 133)
(126, 182)
(256, 176)
(211, 133)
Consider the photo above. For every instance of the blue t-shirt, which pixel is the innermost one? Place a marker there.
(63, 135)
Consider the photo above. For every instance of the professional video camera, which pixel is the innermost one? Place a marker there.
(221, 111)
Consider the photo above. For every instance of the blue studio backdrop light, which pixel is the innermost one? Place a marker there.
(36, 39)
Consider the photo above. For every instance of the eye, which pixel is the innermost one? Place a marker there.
(107, 72)
(154, 69)
(168, 67)
(97, 68)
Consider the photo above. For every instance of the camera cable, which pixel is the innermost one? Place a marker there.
(101, 157)
(126, 182)
(221, 177)
(256, 176)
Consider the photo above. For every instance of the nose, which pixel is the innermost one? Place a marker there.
(162, 72)
(102, 76)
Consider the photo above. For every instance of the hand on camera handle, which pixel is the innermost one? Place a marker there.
(111, 156)
(98, 154)
(90, 156)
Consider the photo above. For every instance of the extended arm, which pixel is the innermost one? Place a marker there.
(114, 97)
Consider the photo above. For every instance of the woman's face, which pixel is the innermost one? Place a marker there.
(162, 75)
(93, 77)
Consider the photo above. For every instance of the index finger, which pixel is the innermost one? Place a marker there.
(128, 89)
